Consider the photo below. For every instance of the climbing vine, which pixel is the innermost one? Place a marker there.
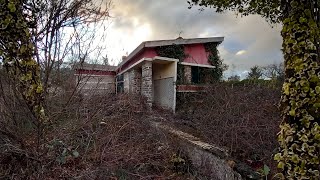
(299, 138)
(177, 52)
(17, 51)
(172, 51)
(215, 60)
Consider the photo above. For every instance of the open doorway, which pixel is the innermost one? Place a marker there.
(164, 75)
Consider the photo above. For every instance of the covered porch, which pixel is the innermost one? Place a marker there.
(155, 79)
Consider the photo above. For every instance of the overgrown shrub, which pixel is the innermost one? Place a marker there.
(97, 137)
(243, 119)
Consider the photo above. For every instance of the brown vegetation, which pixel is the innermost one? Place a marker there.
(242, 118)
(99, 137)
(107, 136)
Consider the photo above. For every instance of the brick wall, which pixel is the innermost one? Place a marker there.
(135, 81)
(146, 85)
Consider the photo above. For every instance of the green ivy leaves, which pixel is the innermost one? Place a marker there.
(12, 6)
(299, 137)
(17, 51)
(215, 60)
(173, 51)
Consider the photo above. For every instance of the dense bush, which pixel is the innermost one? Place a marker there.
(98, 137)
(242, 118)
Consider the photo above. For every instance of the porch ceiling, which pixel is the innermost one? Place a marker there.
(163, 60)
(156, 60)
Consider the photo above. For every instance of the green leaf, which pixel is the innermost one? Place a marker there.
(23, 49)
(295, 158)
(316, 105)
(64, 152)
(12, 7)
(292, 112)
(39, 89)
(281, 165)
(286, 88)
(75, 153)
(61, 159)
(266, 170)
(277, 157)
(302, 20)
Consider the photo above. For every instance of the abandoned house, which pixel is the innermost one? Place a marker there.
(158, 70)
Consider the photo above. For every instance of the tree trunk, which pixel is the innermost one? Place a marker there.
(17, 51)
(299, 137)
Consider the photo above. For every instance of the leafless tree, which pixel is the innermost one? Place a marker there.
(68, 31)
(63, 32)
(274, 71)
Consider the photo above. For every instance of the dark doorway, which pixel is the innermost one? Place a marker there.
(195, 74)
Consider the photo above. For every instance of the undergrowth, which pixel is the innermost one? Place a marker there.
(244, 119)
(97, 137)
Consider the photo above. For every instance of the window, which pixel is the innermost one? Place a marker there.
(120, 85)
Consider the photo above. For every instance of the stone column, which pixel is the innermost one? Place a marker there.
(146, 82)
(135, 81)
(187, 74)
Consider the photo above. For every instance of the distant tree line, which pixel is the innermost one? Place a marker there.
(272, 73)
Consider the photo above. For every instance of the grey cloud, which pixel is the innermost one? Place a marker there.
(168, 17)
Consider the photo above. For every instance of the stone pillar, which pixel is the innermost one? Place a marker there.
(135, 81)
(146, 82)
(126, 82)
(187, 74)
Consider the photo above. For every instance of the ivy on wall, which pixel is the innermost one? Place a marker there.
(205, 75)
(215, 60)
(172, 51)
(177, 52)
(212, 49)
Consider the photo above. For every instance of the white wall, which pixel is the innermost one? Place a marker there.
(164, 77)
(99, 84)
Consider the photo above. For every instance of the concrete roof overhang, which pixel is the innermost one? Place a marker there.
(157, 60)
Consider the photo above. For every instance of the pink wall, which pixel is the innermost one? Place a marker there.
(146, 53)
(197, 54)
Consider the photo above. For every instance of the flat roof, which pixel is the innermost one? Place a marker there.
(178, 41)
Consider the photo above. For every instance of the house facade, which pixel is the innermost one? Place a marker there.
(95, 78)
(157, 70)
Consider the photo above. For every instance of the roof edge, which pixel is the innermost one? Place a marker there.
(133, 53)
(182, 41)
(169, 42)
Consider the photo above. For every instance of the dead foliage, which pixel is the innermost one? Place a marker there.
(243, 119)
(97, 137)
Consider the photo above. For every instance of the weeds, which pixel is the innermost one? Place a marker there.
(243, 119)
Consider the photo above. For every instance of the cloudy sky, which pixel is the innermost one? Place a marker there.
(248, 41)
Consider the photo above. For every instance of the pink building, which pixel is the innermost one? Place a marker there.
(160, 69)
